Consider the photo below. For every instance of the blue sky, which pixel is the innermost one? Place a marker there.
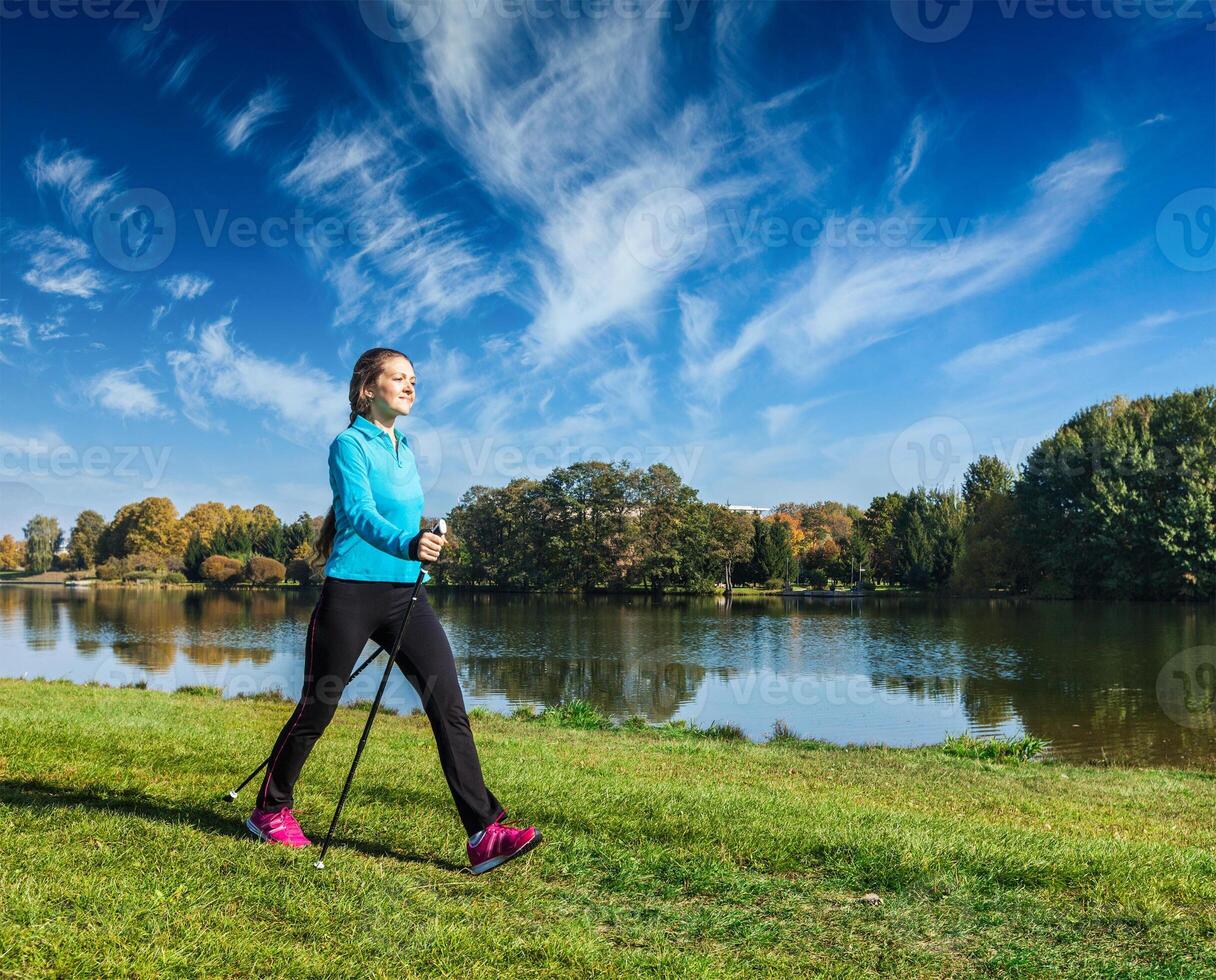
(797, 251)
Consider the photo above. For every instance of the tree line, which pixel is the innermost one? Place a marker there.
(1119, 502)
(148, 541)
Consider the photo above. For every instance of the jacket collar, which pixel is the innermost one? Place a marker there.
(371, 431)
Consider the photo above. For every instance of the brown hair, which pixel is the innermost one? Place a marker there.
(367, 371)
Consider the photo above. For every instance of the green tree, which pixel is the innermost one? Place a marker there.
(195, 554)
(984, 477)
(86, 534)
(43, 538)
(1119, 500)
(666, 503)
(730, 540)
(878, 530)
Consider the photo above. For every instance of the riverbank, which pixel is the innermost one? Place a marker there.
(666, 853)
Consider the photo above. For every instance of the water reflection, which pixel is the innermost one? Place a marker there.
(900, 671)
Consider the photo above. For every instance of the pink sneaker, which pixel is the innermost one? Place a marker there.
(499, 844)
(278, 827)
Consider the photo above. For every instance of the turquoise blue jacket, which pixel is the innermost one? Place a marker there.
(377, 505)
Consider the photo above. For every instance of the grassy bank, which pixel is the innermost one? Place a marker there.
(668, 853)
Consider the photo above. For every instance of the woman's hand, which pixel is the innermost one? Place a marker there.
(429, 546)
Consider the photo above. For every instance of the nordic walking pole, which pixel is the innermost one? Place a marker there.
(441, 529)
(232, 793)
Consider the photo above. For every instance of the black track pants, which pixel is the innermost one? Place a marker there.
(346, 615)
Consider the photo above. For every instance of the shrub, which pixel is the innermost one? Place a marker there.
(140, 575)
(783, 733)
(1020, 748)
(146, 561)
(111, 570)
(726, 732)
(298, 570)
(175, 578)
(574, 714)
(273, 697)
(220, 569)
(261, 570)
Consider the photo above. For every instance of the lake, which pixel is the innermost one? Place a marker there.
(1109, 681)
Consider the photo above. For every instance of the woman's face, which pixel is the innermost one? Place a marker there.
(394, 391)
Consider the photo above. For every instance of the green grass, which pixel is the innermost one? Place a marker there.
(667, 853)
(1021, 748)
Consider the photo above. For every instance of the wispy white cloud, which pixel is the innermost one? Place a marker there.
(1012, 347)
(52, 329)
(574, 132)
(14, 329)
(122, 392)
(301, 403)
(238, 128)
(786, 417)
(1154, 120)
(177, 78)
(58, 264)
(909, 156)
(394, 265)
(81, 187)
(850, 298)
(446, 378)
(186, 285)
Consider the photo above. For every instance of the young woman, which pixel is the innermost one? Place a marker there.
(373, 549)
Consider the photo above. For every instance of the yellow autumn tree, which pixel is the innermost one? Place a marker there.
(12, 553)
(204, 520)
(150, 526)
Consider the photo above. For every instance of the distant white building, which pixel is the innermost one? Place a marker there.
(746, 509)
